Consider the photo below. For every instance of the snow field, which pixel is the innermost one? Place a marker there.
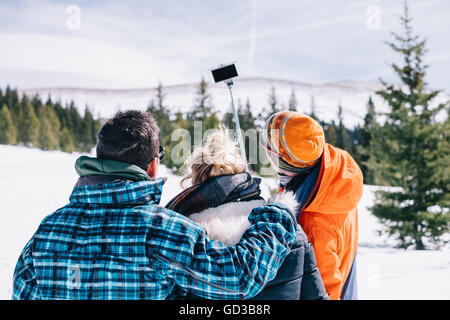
(34, 183)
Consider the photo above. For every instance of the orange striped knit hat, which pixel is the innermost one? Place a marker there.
(294, 141)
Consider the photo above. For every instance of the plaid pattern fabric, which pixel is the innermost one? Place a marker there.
(113, 241)
(215, 192)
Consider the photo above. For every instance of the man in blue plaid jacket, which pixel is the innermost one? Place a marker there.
(113, 241)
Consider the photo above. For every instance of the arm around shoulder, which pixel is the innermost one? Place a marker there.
(209, 269)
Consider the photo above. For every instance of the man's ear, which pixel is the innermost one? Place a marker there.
(152, 168)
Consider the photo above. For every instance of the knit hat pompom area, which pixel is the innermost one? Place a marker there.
(294, 140)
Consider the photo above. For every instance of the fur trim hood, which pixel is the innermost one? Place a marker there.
(228, 222)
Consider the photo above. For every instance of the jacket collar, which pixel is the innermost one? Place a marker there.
(87, 166)
(99, 179)
(216, 191)
(227, 222)
(340, 183)
(120, 193)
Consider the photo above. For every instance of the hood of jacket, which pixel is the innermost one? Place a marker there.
(87, 166)
(228, 222)
(341, 183)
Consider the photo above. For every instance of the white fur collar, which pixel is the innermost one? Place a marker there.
(228, 222)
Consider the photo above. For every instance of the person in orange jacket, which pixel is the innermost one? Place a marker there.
(328, 184)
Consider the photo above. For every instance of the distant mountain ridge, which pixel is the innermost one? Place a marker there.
(352, 95)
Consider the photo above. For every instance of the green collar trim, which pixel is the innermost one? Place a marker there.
(86, 166)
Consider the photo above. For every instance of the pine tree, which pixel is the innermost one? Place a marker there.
(88, 132)
(273, 101)
(249, 133)
(42, 125)
(162, 115)
(75, 125)
(364, 142)
(54, 120)
(96, 126)
(29, 126)
(47, 139)
(61, 113)
(343, 140)
(261, 118)
(249, 124)
(228, 120)
(37, 104)
(255, 157)
(313, 109)
(331, 133)
(202, 112)
(293, 105)
(66, 143)
(11, 97)
(410, 151)
(248, 119)
(8, 131)
(369, 123)
(178, 153)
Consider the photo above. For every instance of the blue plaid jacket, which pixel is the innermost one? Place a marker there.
(113, 241)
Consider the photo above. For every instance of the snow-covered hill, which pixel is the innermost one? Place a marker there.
(352, 95)
(34, 183)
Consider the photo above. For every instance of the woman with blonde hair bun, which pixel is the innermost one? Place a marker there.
(221, 197)
(218, 157)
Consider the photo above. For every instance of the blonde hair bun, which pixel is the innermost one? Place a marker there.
(218, 156)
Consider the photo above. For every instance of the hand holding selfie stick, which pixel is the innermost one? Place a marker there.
(226, 73)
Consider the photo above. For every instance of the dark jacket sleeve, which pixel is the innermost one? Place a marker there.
(312, 284)
(298, 277)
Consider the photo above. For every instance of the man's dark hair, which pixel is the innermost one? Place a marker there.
(130, 136)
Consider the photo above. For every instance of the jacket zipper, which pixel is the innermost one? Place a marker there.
(256, 193)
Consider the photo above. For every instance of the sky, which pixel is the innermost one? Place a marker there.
(137, 44)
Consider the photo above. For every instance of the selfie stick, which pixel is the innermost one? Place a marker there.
(238, 126)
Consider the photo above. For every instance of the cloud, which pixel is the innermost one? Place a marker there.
(138, 43)
(84, 58)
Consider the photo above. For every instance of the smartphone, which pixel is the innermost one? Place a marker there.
(224, 73)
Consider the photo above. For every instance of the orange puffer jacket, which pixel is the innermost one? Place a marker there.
(331, 219)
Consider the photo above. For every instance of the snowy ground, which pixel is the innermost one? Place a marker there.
(34, 183)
